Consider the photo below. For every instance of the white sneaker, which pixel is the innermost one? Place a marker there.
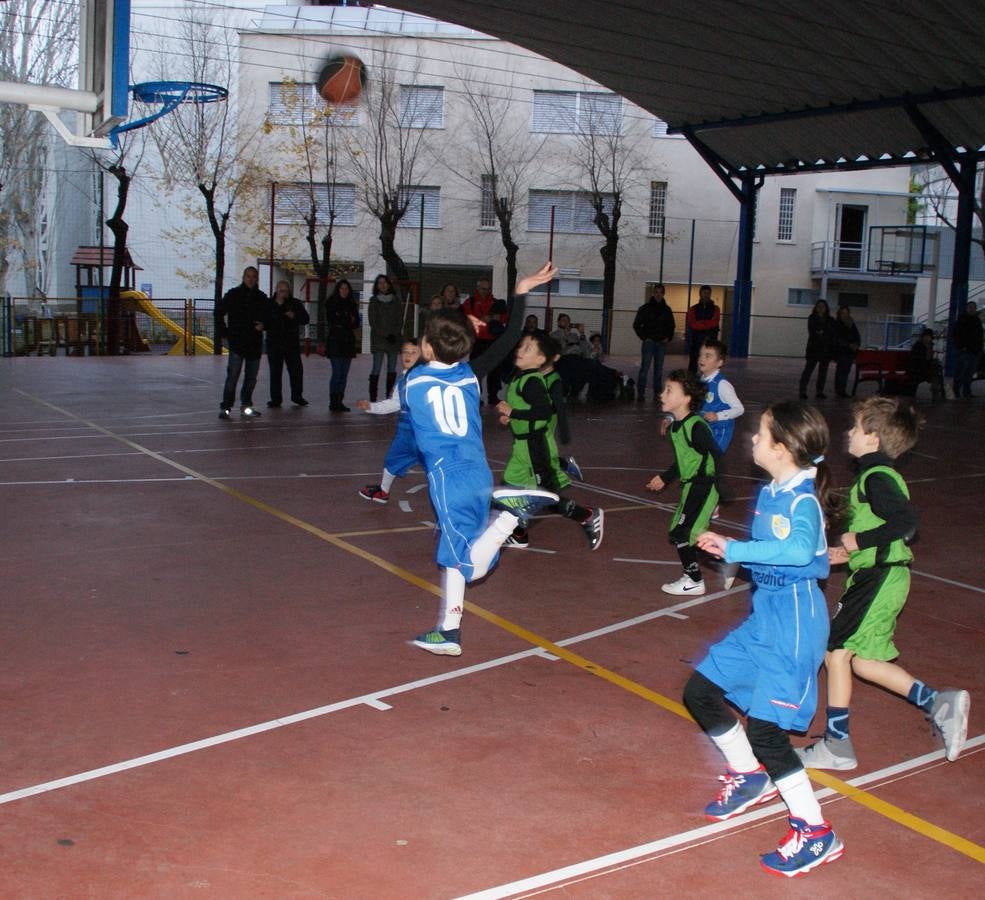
(684, 585)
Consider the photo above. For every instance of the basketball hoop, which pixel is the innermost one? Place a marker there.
(170, 94)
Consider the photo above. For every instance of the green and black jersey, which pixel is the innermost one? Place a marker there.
(880, 515)
(533, 460)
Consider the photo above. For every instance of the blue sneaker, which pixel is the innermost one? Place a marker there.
(442, 643)
(521, 502)
(804, 847)
(573, 469)
(740, 790)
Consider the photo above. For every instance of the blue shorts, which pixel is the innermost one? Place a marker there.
(460, 496)
(403, 452)
(768, 666)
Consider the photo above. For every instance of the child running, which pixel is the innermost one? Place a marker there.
(767, 667)
(403, 451)
(880, 522)
(533, 461)
(442, 399)
(696, 458)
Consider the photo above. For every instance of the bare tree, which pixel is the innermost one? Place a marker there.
(315, 144)
(121, 162)
(609, 166)
(386, 155)
(203, 146)
(38, 40)
(938, 195)
(499, 154)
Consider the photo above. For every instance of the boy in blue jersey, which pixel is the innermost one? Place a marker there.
(443, 403)
(767, 667)
(403, 453)
(721, 406)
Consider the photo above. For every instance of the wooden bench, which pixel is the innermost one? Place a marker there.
(885, 367)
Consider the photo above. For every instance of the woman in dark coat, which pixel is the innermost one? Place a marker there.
(341, 320)
(287, 317)
(847, 342)
(820, 348)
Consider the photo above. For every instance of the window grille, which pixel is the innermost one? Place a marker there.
(788, 201)
(658, 207)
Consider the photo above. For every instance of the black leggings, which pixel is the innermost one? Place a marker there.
(771, 744)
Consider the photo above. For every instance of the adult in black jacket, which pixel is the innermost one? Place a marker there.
(241, 317)
(847, 341)
(820, 348)
(654, 326)
(342, 318)
(968, 349)
(287, 317)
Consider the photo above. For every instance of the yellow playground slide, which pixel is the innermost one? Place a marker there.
(145, 305)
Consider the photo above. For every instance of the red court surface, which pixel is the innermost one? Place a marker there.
(207, 689)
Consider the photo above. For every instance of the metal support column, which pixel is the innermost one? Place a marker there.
(742, 295)
(965, 183)
(745, 188)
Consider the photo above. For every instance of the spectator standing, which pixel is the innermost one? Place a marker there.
(287, 317)
(240, 318)
(820, 348)
(967, 337)
(703, 322)
(847, 340)
(573, 365)
(654, 326)
(921, 366)
(342, 320)
(385, 333)
(482, 305)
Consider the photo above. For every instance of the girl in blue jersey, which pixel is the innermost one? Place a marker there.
(403, 449)
(767, 667)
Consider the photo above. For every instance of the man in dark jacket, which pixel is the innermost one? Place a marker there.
(654, 326)
(241, 317)
(287, 317)
(968, 349)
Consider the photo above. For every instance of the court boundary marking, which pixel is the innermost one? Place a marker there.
(887, 810)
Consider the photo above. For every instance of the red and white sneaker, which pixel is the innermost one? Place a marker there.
(375, 493)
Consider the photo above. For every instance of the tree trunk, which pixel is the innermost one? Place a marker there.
(323, 270)
(395, 266)
(219, 236)
(119, 228)
(505, 216)
(609, 227)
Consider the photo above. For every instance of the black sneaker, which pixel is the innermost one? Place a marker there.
(273, 404)
(223, 413)
(519, 539)
(300, 402)
(248, 412)
(594, 527)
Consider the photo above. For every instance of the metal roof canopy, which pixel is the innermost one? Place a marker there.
(770, 87)
(761, 87)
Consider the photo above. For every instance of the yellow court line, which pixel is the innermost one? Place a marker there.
(863, 798)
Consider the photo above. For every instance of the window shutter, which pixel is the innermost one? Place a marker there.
(555, 112)
(421, 107)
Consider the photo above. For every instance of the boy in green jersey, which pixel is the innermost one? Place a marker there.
(696, 456)
(881, 523)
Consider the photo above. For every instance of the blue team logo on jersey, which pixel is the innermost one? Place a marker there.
(780, 526)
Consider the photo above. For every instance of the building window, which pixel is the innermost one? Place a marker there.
(422, 107)
(788, 201)
(590, 286)
(801, 296)
(431, 198)
(658, 208)
(848, 298)
(573, 211)
(292, 202)
(487, 215)
(577, 112)
(298, 103)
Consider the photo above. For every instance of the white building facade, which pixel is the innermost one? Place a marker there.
(680, 224)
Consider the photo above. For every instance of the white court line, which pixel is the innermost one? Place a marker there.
(416, 488)
(649, 562)
(529, 549)
(657, 504)
(960, 584)
(611, 860)
(373, 699)
(405, 506)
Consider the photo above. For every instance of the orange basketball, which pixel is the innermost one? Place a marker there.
(341, 79)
